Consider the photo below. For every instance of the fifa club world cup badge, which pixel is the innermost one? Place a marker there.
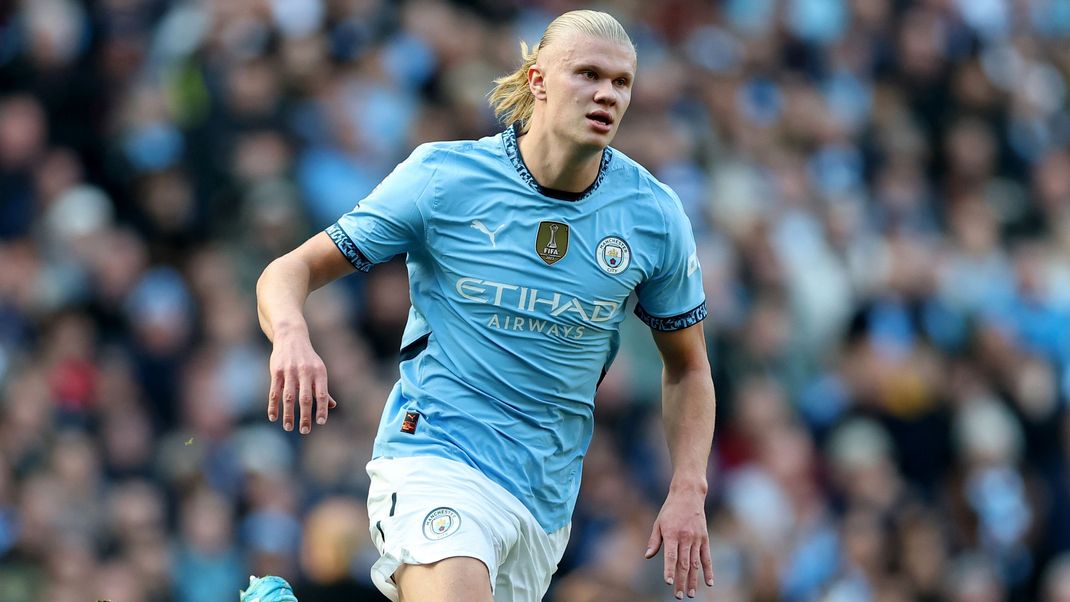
(613, 255)
(551, 242)
(441, 522)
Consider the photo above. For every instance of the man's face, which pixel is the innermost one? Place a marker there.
(586, 83)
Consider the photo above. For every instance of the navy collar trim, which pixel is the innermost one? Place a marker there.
(512, 148)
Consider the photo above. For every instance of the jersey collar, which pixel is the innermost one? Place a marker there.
(512, 148)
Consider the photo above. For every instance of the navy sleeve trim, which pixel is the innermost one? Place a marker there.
(348, 248)
(677, 322)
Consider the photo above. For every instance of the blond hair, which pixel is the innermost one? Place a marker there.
(511, 97)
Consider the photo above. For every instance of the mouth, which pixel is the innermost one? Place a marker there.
(600, 120)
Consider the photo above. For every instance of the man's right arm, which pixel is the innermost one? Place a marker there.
(297, 372)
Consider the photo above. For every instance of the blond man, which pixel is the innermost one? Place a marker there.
(523, 250)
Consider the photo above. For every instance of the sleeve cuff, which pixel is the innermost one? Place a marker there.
(348, 248)
(677, 322)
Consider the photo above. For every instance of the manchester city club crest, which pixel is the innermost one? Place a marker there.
(613, 255)
(441, 522)
(551, 241)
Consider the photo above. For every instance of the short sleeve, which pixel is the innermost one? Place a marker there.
(672, 297)
(389, 221)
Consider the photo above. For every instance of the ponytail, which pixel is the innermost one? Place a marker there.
(511, 97)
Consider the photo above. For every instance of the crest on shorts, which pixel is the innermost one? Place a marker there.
(441, 522)
(551, 242)
(613, 255)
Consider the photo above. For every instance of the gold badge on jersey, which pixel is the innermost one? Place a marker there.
(551, 243)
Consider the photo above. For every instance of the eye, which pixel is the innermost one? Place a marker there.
(587, 73)
(622, 82)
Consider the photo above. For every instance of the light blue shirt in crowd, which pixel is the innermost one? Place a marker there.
(517, 296)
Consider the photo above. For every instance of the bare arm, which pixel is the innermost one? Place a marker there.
(286, 282)
(297, 372)
(688, 409)
(688, 404)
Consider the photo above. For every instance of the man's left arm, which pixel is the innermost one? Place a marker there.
(688, 409)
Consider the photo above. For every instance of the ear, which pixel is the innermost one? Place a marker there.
(537, 82)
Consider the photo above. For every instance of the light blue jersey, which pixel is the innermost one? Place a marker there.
(517, 296)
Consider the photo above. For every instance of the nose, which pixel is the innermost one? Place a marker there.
(605, 94)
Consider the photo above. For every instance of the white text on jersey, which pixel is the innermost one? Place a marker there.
(532, 300)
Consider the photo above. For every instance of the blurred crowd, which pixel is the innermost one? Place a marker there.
(880, 190)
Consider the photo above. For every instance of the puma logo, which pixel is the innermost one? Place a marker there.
(478, 225)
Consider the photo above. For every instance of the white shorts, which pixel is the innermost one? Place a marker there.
(425, 509)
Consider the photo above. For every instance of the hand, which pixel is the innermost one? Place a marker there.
(297, 373)
(681, 526)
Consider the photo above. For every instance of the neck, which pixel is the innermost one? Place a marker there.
(559, 165)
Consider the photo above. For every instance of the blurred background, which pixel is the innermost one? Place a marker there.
(880, 191)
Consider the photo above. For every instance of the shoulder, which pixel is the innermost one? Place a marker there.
(430, 154)
(655, 192)
(458, 149)
(452, 169)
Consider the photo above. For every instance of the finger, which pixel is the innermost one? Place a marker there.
(683, 568)
(693, 570)
(289, 394)
(333, 404)
(672, 553)
(305, 399)
(274, 394)
(322, 398)
(654, 543)
(707, 562)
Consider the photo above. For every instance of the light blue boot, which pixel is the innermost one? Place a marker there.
(268, 589)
